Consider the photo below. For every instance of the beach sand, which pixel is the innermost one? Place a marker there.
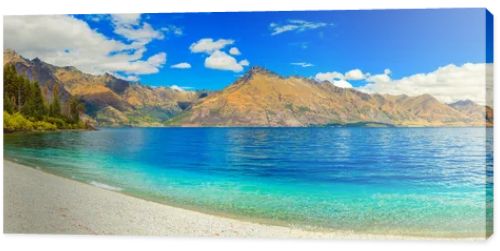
(39, 202)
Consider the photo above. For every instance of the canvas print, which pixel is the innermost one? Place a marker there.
(361, 124)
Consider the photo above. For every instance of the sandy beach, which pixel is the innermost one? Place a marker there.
(39, 202)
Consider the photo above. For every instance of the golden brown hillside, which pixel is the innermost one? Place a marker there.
(262, 98)
(109, 100)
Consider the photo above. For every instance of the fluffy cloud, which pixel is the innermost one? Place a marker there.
(302, 64)
(138, 67)
(182, 65)
(342, 80)
(142, 34)
(294, 25)
(234, 51)
(208, 45)
(244, 62)
(218, 59)
(341, 83)
(65, 40)
(329, 76)
(449, 83)
(129, 26)
(379, 78)
(336, 78)
(355, 74)
(126, 19)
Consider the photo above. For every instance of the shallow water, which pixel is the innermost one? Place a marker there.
(433, 182)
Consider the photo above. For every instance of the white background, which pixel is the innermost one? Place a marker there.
(51, 242)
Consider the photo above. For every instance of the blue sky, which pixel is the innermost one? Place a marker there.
(384, 51)
(404, 41)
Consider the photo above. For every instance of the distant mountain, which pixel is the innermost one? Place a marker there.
(262, 98)
(259, 98)
(109, 101)
(474, 110)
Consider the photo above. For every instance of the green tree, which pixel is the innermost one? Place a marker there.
(75, 108)
(39, 107)
(14, 87)
(55, 106)
(10, 83)
(26, 104)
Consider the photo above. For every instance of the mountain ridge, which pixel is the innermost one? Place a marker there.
(259, 98)
(263, 98)
(132, 104)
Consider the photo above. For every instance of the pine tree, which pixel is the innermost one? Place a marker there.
(9, 77)
(55, 106)
(26, 103)
(75, 108)
(39, 108)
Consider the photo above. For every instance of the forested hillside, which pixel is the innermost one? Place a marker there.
(25, 108)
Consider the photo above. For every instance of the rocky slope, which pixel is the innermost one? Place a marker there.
(109, 100)
(474, 110)
(262, 98)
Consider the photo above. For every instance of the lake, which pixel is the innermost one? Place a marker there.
(435, 182)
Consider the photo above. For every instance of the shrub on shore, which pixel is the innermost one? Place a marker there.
(16, 122)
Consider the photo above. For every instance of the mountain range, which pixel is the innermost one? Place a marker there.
(259, 98)
(109, 101)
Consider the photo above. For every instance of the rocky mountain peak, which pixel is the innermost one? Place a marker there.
(465, 102)
(11, 56)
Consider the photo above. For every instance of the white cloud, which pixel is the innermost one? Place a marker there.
(234, 51)
(449, 83)
(131, 78)
(126, 19)
(158, 59)
(129, 26)
(142, 34)
(182, 65)
(342, 83)
(220, 60)
(65, 40)
(329, 76)
(342, 79)
(294, 25)
(302, 64)
(355, 74)
(208, 45)
(384, 77)
(244, 62)
(336, 78)
(177, 88)
(138, 67)
(173, 29)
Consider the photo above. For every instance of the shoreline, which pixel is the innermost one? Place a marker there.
(43, 203)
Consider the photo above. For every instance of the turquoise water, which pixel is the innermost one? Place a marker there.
(434, 182)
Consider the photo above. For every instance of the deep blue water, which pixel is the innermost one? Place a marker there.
(410, 181)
